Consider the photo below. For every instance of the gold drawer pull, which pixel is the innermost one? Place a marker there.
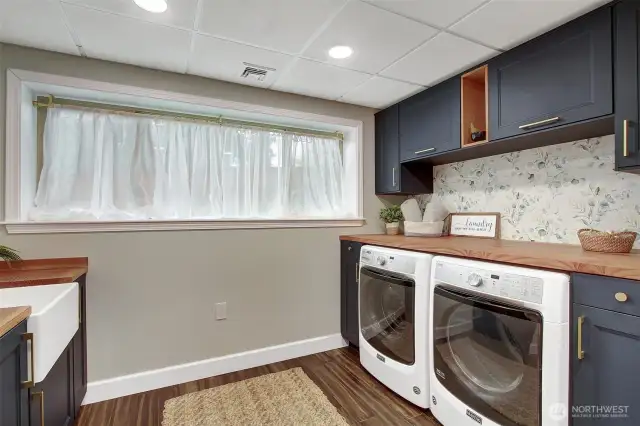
(539, 123)
(29, 337)
(41, 395)
(423, 151)
(579, 348)
(621, 297)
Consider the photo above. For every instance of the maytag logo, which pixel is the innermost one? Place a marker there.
(381, 358)
(474, 416)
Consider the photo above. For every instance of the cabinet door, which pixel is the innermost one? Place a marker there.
(562, 77)
(605, 377)
(79, 344)
(627, 75)
(79, 374)
(349, 265)
(14, 400)
(430, 121)
(53, 397)
(387, 151)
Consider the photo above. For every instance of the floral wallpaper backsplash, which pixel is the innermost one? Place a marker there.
(545, 194)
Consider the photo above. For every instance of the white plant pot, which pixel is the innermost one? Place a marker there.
(393, 228)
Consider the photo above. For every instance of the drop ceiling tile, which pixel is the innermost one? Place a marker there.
(35, 23)
(320, 80)
(283, 25)
(373, 49)
(507, 23)
(380, 92)
(222, 59)
(439, 58)
(179, 13)
(440, 13)
(130, 41)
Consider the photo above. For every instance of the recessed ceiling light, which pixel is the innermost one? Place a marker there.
(155, 6)
(340, 52)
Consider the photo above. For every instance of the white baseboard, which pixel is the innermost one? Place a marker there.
(103, 390)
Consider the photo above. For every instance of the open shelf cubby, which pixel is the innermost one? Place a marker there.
(474, 110)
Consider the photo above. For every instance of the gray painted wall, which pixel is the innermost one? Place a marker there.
(151, 294)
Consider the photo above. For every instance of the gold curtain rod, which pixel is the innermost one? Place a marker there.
(53, 102)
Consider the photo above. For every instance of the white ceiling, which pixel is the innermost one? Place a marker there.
(400, 46)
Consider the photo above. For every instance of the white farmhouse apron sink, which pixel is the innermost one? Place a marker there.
(54, 321)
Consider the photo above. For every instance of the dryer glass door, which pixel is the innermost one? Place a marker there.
(387, 313)
(488, 355)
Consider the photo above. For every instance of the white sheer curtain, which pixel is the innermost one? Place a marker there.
(100, 166)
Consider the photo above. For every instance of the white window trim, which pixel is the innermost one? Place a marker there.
(14, 203)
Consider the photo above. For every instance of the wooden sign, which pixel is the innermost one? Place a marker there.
(480, 225)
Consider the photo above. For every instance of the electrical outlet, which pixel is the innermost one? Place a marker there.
(221, 310)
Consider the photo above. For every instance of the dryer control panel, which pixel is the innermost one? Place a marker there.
(493, 282)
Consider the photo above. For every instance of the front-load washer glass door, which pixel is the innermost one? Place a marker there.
(387, 313)
(488, 355)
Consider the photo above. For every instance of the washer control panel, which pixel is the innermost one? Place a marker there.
(494, 282)
(389, 261)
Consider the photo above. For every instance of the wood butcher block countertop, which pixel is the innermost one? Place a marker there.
(42, 271)
(10, 317)
(560, 257)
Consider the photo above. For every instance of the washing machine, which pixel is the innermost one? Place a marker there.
(394, 332)
(499, 352)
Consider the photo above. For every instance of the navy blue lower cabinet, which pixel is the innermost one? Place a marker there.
(605, 359)
(349, 273)
(52, 400)
(14, 399)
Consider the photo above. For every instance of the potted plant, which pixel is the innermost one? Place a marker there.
(392, 216)
(8, 254)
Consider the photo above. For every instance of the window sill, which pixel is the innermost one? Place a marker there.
(174, 225)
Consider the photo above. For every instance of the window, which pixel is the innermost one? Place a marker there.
(104, 166)
(96, 167)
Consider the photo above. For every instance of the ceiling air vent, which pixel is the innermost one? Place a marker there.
(255, 72)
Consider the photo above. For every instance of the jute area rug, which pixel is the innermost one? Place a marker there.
(285, 398)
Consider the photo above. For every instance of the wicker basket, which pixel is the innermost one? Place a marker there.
(606, 242)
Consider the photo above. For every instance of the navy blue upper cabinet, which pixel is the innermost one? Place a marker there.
(627, 92)
(430, 121)
(387, 151)
(391, 176)
(562, 77)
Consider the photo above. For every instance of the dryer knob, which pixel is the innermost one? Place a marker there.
(381, 261)
(474, 280)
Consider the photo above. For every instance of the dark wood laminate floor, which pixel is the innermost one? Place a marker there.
(360, 398)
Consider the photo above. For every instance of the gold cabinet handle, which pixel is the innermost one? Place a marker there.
(28, 337)
(357, 272)
(580, 351)
(625, 138)
(621, 297)
(41, 395)
(539, 123)
(393, 175)
(422, 151)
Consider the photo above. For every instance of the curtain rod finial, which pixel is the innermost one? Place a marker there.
(49, 103)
